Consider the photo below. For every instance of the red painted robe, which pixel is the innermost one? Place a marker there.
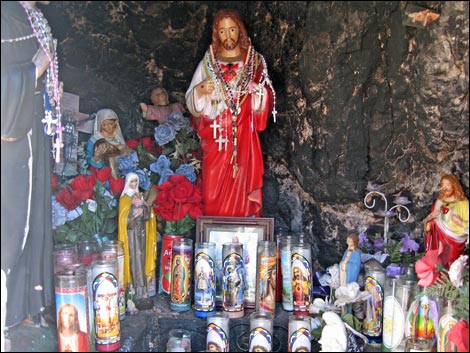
(223, 194)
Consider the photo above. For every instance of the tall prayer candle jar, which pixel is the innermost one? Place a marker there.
(217, 333)
(106, 302)
(261, 329)
(373, 313)
(266, 270)
(301, 265)
(204, 278)
(79, 266)
(181, 268)
(299, 334)
(117, 247)
(285, 253)
(64, 254)
(165, 263)
(72, 309)
(399, 295)
(233, 279)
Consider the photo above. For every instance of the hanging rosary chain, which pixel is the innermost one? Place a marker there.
(43, 34)
(19, 39)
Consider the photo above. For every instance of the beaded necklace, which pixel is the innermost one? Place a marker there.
(52, 119)
(19, 39)
(235, 93)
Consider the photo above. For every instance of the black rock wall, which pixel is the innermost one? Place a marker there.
(362, 96)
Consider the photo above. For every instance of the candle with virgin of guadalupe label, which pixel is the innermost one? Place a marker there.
(181, 268)
(204, 278)
(233, 279)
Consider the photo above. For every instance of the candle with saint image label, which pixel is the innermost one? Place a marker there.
(261, 328)
(217, 338)
(233, 279)
(204, 278)
(299, 334)
(301, 264)
(181, 269)
(266, 276)
(285, 253)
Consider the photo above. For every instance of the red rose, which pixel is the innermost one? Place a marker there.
(68, 199)
(116, 185)
(445, 210)
(54, 183)
(132, 144)
(83, 182)
(149, 145)
(102, 174)
(177, 198)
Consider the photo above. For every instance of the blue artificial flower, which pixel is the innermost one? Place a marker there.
(59, 213)
(177, 120)
(128, 163)
(164, 175)
(144, 180)
(188, 170)
(160, 165)
(112, 201)
(164, 133)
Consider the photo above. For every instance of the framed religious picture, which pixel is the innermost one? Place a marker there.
(245, 230)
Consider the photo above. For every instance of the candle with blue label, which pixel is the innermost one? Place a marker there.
(204, 278)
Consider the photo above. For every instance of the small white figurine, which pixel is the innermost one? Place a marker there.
(333, 336)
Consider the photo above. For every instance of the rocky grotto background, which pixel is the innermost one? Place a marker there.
(363, 94)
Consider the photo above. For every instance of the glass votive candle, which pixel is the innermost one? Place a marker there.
(300, 339)
(261, 328)
(86, 249)
(418, 344)
(179, 340)
(217, 338)
(62, 255)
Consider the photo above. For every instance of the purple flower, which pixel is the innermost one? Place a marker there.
(363, 241)
(409, 244)
(379, 243)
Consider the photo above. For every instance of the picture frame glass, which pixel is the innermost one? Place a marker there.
(245, 230)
